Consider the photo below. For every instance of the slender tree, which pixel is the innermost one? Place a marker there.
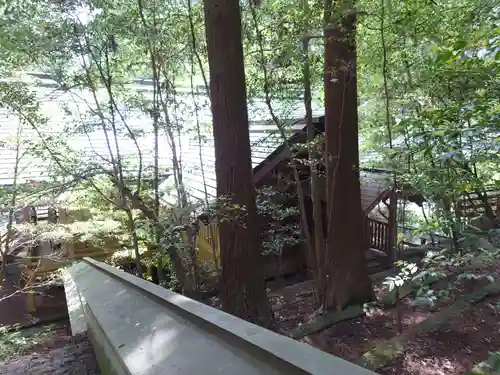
(243, 288)
(346, 279)
(13, 203)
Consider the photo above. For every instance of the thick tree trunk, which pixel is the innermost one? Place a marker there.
(243, 288)
(346, 277)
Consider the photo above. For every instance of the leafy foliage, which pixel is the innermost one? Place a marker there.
(428, 76)
(282, 230)
(15, 341)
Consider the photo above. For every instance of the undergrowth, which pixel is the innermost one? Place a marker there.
(14, 340)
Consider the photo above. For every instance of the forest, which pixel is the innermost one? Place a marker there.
(328, 170)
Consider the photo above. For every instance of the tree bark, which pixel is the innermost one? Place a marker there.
(346, 277)
(135, 243)
(318, 246)
(243, 288)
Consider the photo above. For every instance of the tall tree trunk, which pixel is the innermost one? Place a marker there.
(13, 203)
(346, 276)
(243, 288)
(316, 258)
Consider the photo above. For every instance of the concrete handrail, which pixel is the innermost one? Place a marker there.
(138, 327)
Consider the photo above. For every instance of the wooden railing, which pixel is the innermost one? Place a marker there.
(471, 205)
(39, 213)
(377, 235)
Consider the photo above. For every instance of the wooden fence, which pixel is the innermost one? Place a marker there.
(377, 235)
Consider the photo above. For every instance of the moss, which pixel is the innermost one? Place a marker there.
(382, 354)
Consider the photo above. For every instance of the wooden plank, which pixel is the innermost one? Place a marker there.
(377, 234)
(271, 163)
(365, 203)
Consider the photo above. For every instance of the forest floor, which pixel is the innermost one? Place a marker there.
(452, 348)
(46, 350)
(41, 349)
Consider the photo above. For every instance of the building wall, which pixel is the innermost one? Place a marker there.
(67, 111)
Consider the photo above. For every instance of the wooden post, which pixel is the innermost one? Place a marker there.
(52, 215)
(69, 249)
(31, 300)
(33, 217)
(26, 214)
(63, 215)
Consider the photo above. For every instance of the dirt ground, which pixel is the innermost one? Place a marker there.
(59, 354)
(455, 348)
(463, 342)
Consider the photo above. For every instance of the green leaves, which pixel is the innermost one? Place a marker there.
(442, 76)
(406, 270)
(393, 282)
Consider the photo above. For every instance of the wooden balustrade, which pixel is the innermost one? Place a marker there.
(377, 235)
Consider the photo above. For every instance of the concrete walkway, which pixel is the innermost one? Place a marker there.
(139, 328)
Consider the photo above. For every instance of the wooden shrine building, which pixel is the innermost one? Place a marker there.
(376, 192)
(273, 169)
